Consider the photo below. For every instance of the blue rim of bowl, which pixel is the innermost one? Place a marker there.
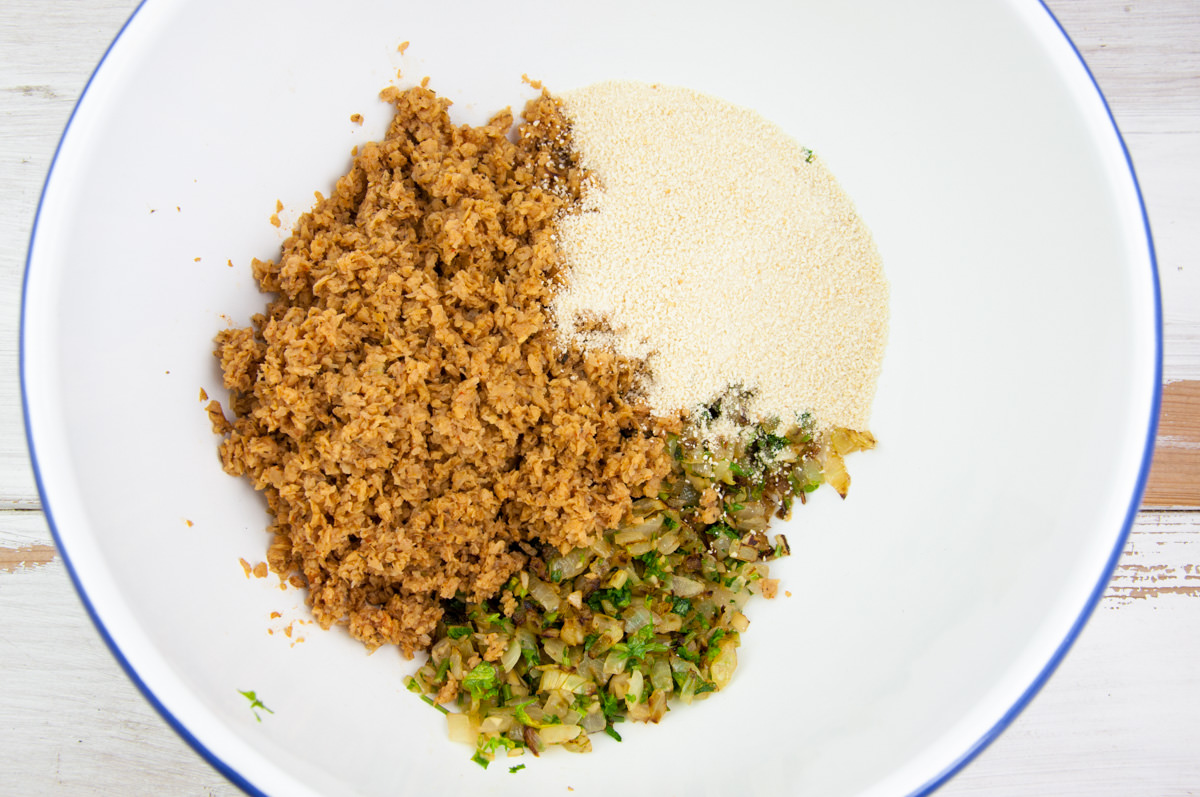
(932, 784)
(1135, 500)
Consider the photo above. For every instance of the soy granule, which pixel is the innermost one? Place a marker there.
(401, 402)
(718, 249)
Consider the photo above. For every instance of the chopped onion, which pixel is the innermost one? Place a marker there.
(642, 531)
(685, 587)
(660, 676)
(637, 685)
(636, 617)
(594, 721)
(570, 565)
(554, 648)
(544, 594)
(668, 543)
(557, 734)
(725, 663)
(497, 724)
(460, 728)
(512, 654)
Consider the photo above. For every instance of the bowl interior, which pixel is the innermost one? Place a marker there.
(1012, 414)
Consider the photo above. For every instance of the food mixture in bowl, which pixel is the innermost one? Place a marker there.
(466, 451)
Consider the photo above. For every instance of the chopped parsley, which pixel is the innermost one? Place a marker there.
(640, 645)
(723, 530)
(619, 598)
(482, 682)
(653, 564)
(255, 704)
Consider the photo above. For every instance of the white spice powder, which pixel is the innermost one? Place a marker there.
(722, 252)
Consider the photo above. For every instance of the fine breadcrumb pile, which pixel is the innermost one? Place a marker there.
(724, 253)
(403, 404)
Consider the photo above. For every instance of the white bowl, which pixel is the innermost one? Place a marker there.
(1015, 413)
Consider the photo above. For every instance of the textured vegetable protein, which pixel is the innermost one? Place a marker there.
(401, 402)
(723, 253)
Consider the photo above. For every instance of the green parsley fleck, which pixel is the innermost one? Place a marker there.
(255, 704)
(481, 682)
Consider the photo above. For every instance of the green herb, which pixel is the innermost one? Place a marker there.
(713, 650)
(486, 749)
(653, 565)
(771, 444)
(681, 606)
(457, 631)
(530, 655)
(670, 522)
(609, 705)
(431, 702)
(255, 704)
(724, 531)
(481, 682)
(619, 598)
(611, 731)
(523, 716)
(517, 768)
(640, 645)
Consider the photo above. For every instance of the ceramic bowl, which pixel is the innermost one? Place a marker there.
(1015, 412)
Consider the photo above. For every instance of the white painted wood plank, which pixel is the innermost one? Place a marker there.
(1121, 717)
(47, 52)
(73, 724)
(1168, 168)
(1144, 54)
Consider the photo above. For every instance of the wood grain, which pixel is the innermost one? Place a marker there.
(1161, 560)
(1175, 471)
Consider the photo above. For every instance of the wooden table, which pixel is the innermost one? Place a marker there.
(1120, 717)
